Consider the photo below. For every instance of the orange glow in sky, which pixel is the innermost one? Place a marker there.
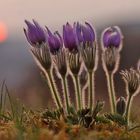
(3, 32)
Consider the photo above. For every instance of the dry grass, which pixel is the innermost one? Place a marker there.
(36, 128)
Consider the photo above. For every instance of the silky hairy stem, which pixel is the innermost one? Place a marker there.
(91, 90)
(77, 92)
(66, 93)
(128, 109)
(111, 91)
(53, 89)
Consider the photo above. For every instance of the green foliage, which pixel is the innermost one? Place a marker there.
(55, 115)
(117, 118)
(84, 117)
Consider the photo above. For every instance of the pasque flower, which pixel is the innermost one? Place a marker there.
(86, 40)
(112, 37)
(132, 80)
(74, 61)
(35, 34)
(55, 41)
(110, 61)
(70, 38)
(111, 42)
(37, 37)
(111, 45)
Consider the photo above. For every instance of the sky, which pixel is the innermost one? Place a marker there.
(55, 13)
(17, 64)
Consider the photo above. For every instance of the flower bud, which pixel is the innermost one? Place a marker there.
(85, 33)
(55, 42)
(112, 37)
(69, 37)
(35, 34)
(132, 80)
(121, 106)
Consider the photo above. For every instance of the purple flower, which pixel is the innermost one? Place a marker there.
(85, 33)
(70, 38)
(35, 34)
(55, 41)
(112, 37)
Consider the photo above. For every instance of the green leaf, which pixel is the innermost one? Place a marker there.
(116, 118)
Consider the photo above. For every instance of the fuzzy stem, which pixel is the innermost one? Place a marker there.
(53, 89)
(90, 90)
(77, 92)
(66, 94)
(111, 92)
(128, 109)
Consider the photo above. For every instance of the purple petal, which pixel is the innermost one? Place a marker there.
(92, 32)
(79, 32)
(40, 31)
(69, 37)
(54, 41)
(59, 37)
(64, 37)
(112, 37)
(88, 33)
(57, 42)
(49, 32)
(115, 39)
(69, 27)
(26, 34)
(29, 24)
(35, 33)
(106, 36)
(52, 45)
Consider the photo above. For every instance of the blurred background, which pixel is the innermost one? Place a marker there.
(17, 66)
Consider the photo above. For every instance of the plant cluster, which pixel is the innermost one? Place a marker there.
(71, 54)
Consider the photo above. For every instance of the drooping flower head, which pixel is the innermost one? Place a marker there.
(85, 33)
(69, 37)
(112, 37)
(35, 34)
(132, 81)
(55, 41)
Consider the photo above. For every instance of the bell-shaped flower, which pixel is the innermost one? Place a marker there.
(70, 38)
(85, 33)
(34, 33)
(112, 37)
(55, 41)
